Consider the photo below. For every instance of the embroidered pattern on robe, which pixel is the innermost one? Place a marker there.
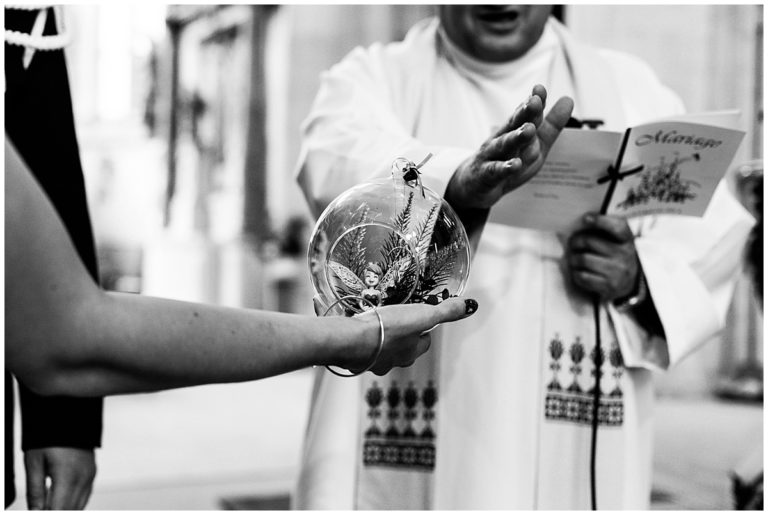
(400, 432)
(569, 398)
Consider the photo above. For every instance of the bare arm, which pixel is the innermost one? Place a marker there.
(110, 343)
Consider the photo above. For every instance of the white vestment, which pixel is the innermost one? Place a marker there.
(497, 414)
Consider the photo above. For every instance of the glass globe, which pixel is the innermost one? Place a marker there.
(388, 241)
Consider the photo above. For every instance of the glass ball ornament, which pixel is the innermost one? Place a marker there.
(388, 241)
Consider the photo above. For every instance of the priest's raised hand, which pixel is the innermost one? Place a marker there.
(512, 156)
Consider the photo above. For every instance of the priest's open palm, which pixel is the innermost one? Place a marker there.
(512, 155)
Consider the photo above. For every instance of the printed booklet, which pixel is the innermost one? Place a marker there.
(671, 166)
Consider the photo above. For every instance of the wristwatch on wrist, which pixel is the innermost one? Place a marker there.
(641, 293)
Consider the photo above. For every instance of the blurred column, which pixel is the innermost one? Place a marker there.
(741, 363)
(215, 220)
(742, 356)
(255, 214)
(108, 66)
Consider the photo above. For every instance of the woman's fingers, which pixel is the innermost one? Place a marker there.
(452, 309)
(413, 348)
(406, 325)
(409, 319)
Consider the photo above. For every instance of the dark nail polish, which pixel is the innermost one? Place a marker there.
(471, 306)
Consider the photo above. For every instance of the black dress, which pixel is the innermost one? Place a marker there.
(39, 123)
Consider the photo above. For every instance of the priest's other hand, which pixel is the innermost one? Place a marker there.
(601, 258)
(510, 157)
(71, 472)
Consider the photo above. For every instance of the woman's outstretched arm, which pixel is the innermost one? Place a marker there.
(66, 336)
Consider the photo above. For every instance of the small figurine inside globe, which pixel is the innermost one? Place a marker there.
(388, 241)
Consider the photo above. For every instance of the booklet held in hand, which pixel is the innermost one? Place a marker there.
(671, 166)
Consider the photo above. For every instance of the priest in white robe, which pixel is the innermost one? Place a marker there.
(498, 414)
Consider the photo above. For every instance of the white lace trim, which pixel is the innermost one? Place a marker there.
(35, 39)
(26, 7)
(54, 42)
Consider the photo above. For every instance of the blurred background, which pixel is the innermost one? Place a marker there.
(188, 120)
